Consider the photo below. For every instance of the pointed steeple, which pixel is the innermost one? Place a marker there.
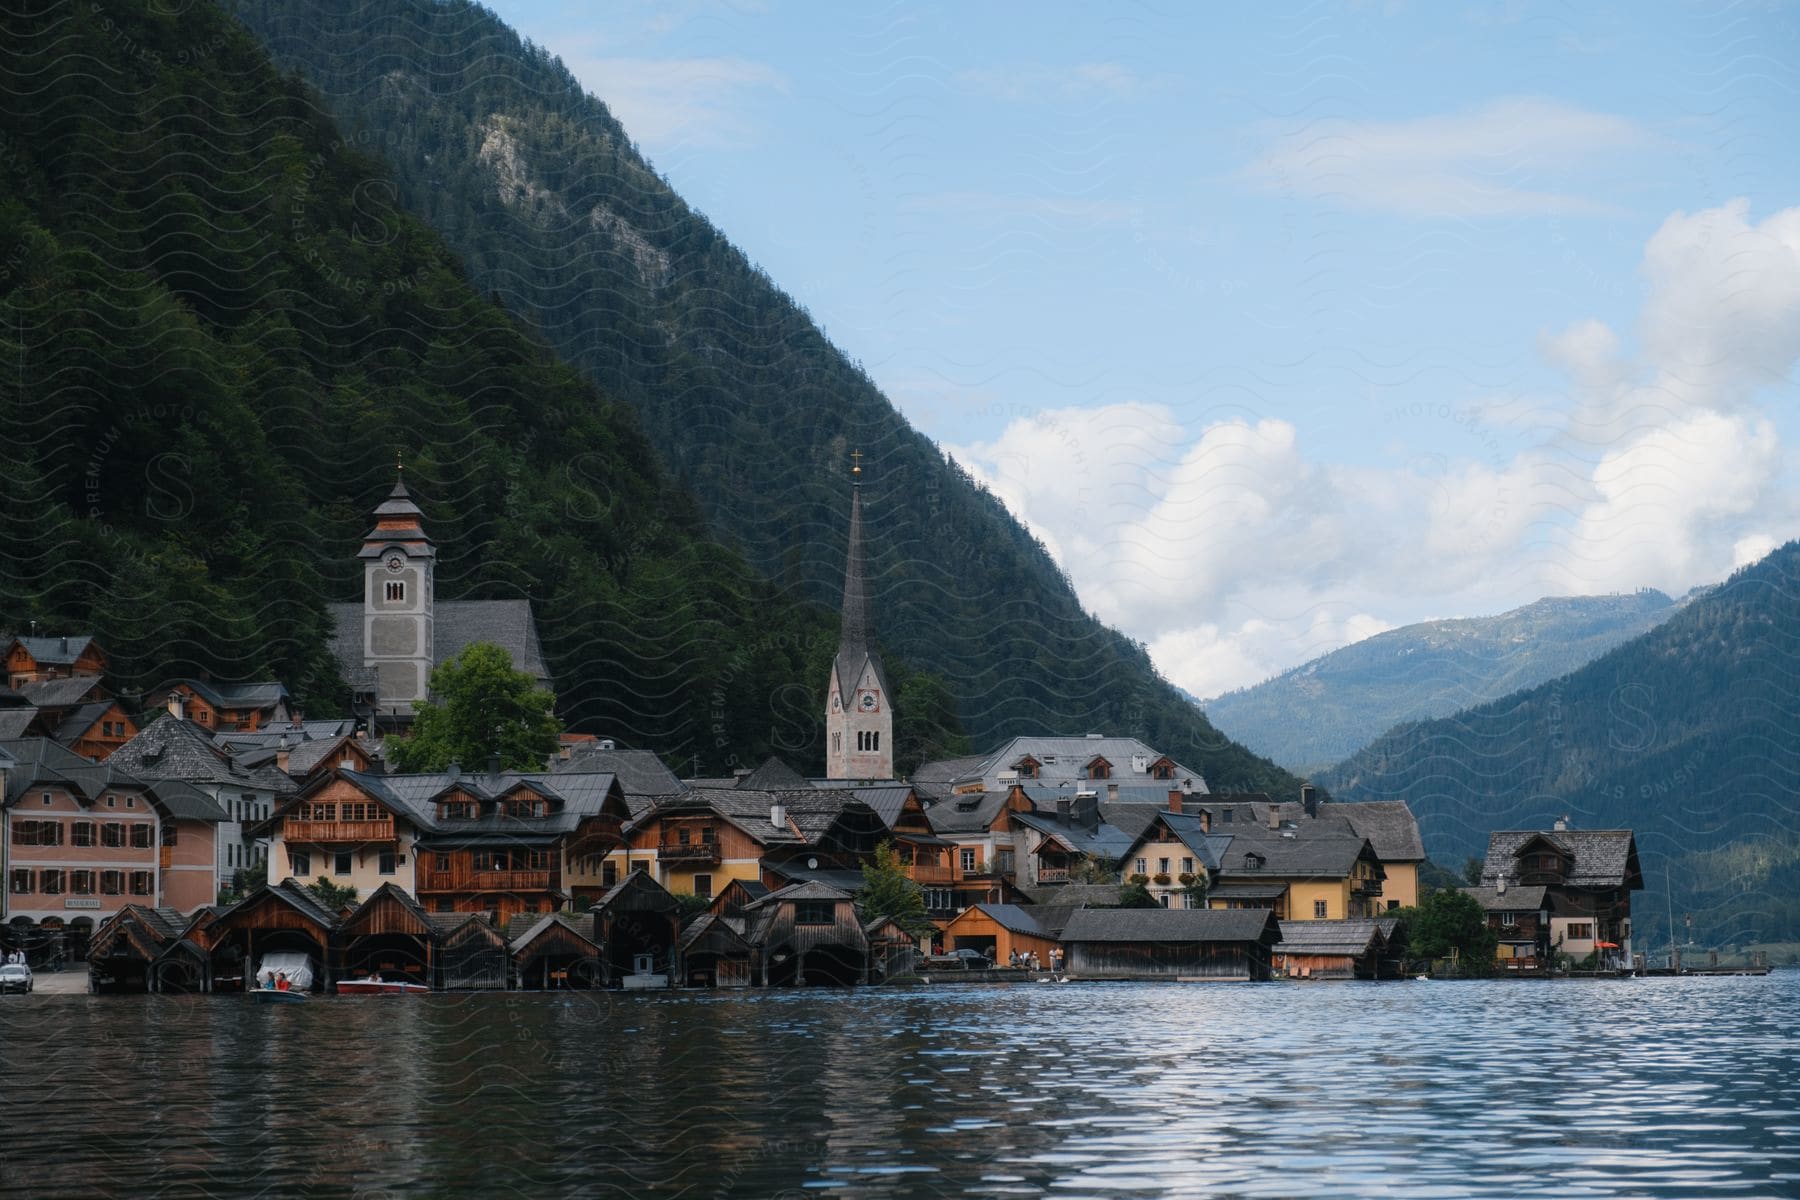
(856, 641)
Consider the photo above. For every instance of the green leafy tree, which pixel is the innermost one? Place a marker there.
(1472, 871)
(1136, 894)
(1095, 868)
(480, 707)
(334, 896)
(887, 892)
(690, 905)
(1450, 924)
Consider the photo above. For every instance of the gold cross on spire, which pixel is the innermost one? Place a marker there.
(856, 462)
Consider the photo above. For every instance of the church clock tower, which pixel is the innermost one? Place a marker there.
(398, 561)
(859, 712)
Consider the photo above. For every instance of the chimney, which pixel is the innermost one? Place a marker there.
(1175, 795)
(1309, 800)
(453, 772)
(1206, 820)
(565, 752)
(1187, 787)
(65, 645)
(607, 744)
(778, 815)
(1062, 812)
(493, 766)
(297, 719)
(1562, 824)
(281, 754)
(177, 704)
(1274, 815)
(1112, 793)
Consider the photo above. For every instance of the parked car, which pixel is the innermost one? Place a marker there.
(15, 977)
(959, 960)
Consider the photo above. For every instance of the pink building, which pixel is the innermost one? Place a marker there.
(81, 840)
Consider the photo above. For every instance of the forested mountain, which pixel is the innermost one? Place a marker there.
(1321, 712)
(218, 331)
(540, 190)
(1689, 734)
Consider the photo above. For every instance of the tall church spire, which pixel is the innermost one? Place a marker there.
(859, 715)
(399, 609)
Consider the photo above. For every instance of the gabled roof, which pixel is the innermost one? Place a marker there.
(307, 755)
(82, 719)
(63, 693)
(1013, 918)
(186, 802)
(389, 892)
(1351, 937)
(52, 651)
(774, 775)
(576, 799)
(708, 927)
(966, 812)
(807, 814)
(1603, 858)
(1169, 925)
(456, 624)
(1389, 825)
(1074, 895)
(559, 925)
(15, 721)
(639, 772)
(887, 800)
(1312, 856)
(172, 748)
(934, 779)
(637, 892)
(452, 923)
(39, 760)
(1513, 899)
(815, 889)
(256, 695)
(290, 892)
(1209, 850)
(1062, 758)
(1107, 840)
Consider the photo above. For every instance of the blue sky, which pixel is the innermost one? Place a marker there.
(1280, 327)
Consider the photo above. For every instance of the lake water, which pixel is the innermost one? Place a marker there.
(1649, 1087)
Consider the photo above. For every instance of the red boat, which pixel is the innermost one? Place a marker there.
(379, 987)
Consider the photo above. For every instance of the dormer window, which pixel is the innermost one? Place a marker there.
(1027, 767)
(1099, 768)
(1162, 768)
(1254, 862)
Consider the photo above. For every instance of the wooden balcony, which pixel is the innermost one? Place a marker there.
(1365, 887)
(340, 832)
(930, 873)
(1053, 874)
(454, 880)
(702, 853)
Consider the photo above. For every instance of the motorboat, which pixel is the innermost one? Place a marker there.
(277, 996)
(380, 987)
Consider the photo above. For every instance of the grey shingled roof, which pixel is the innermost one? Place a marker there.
(414, 796)
(1247, 891)
(54, 651)
(967, 812)
(62, 693)
(256, 695)
(1351, 937)
(172, 748)
(1064, 758)
(1388, 824)
(1330, 856)
(81, 720)
(887, 800)
(184, 800)
(774, 775)
(1167, 925)
(1209, 850)
(1513, 899)
(1604, 858)
(15, 721)
(1014, 918)
(933, 779)
(39, 760)
(455, 624)
(1075, 895)
(1106, 841)
(639, 772)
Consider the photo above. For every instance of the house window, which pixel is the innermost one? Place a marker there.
(1393, 904)
(1162, 771)
(299, 863)
(968, 861)
(140, 883)
(1187, 866)
(703, 886)
(20, 882)
(37, 833)
(340, 863)
(112, 833)
(1143, 866)
(445, 906)
(1581, 931)
(537, 860)
(814, 912)
(50, 883)
(112, 883)
(81, 883)
(443, 861)
(1226, 816)
(131, 802)
(1162, 866)
(1165, 899)
(385, 862)
(1099, 769)
(396, 590)
(46, 799)
(1318, 910)
(140, 836)
(112, 802)
(81, 833)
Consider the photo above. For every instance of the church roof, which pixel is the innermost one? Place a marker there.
(397, 519)
(457, 624)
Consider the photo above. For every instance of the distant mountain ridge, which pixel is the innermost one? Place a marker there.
(1688, 734)
(1321, 712)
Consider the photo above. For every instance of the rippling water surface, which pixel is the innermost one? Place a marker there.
(1646, 1087)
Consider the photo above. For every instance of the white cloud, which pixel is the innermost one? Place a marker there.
(1512, 156)
(662, 101)
(1234, 552)
(1038, 81)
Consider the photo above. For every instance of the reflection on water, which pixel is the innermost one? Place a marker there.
(1638, 1088)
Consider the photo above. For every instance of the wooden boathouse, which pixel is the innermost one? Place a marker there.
(1175, 944)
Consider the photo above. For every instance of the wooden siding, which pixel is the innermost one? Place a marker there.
(1167, 960)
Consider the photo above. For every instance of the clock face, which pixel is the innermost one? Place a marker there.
(395, 563)
(868, 701)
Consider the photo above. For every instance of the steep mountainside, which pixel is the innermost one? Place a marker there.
(218, 331)
(1322, 712)
(554, 212)
(1689, 734)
